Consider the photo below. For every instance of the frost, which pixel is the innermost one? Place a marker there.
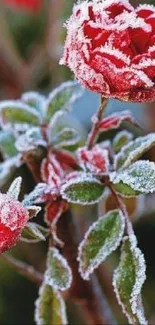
(58, 274)
(82, 190)
(50, 307)
(95, 160)
(33, 211)
(140, 176)
(66, 137)
(30, 140)
(102, 238)
(32, 197)
(33, 233)
(121, 139)
(114, 120)
(133, 150)
(35, 100)
(115, 52)
(14, 189)
(63, 97)
(16, 111)
(131, 268)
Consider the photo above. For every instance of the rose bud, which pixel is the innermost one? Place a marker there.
(13, 216)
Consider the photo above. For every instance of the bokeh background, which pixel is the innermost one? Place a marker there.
(30, 47)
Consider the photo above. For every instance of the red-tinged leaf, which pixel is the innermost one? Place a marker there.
(56, 164)
(67, 160)
(95, 160)
(48, 174)
(53, 212)
(114, 121)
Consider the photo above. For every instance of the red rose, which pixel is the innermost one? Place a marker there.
(110, 47)
(13, 216)
(31, 5)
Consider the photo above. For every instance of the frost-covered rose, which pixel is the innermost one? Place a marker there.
(110, 47)
(30, 5)
(13, 216)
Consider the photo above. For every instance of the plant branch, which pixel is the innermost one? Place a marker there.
(96, 120)
(24, 269)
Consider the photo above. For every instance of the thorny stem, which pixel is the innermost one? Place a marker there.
(97, 118)
(122, 207)
(24, 269)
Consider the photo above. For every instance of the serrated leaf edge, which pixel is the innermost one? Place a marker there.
(141, 277)
(100, 257)
(62, 307)
(52, 282)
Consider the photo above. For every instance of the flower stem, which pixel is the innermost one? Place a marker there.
(96, 121)
(24, 269)
(122, 207)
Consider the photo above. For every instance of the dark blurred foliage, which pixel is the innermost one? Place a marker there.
(30, 47)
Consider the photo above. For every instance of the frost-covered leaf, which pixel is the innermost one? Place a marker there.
(66, 137)
(82, 190)
(140, 176)
(125, 190)
(128, 281)
(95, 160)
(14, 189)
(33, 210)
(7, 169)
(33, 196)
(17, 112)
(114, 120)
(33, 233)
(101, 239)
(30, 140)
(61, 122)
(121, 139)
(134, 150)
(7, 144)
(63, 97)
(50, 307)
(35, 100)
(58, 274)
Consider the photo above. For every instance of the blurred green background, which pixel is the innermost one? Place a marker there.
(30, 48)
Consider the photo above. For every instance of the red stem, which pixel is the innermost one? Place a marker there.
(95, 129)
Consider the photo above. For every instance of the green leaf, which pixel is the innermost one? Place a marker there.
(63, 97)
(84, 190)
(35, 100)
(121, 139)
(30, 140)
(101, 239)
(125, 190)
(133, 151)
(7, 144)
(140, 177)
(50, 308)
(66, 137)
(16, 112)
(128, 281)
(33, 233)
(58, 274)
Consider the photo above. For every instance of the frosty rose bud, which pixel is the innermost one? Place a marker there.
(110, 47)
(13, 216)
